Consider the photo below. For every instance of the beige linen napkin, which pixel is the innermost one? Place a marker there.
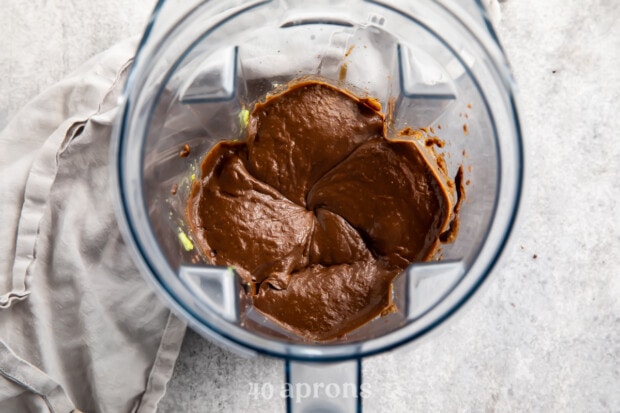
(79, 327)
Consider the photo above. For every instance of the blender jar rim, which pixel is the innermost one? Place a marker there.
(245, 340)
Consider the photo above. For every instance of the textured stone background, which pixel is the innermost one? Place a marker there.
(544, 335)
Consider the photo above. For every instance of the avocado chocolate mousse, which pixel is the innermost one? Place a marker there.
(317, 210)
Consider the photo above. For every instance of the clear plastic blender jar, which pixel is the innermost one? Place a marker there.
(199, 69)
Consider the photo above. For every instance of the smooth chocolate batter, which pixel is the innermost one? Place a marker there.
(317, 210)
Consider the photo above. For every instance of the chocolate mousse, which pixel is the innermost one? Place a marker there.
(317, 209)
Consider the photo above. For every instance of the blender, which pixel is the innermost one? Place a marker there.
(201, 65)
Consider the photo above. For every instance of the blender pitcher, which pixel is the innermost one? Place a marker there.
(199, 69)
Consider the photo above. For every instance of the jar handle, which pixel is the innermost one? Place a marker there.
(334, 387)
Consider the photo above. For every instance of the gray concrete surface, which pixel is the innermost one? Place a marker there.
(545, 334)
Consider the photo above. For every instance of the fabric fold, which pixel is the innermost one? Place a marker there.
(87, 321)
